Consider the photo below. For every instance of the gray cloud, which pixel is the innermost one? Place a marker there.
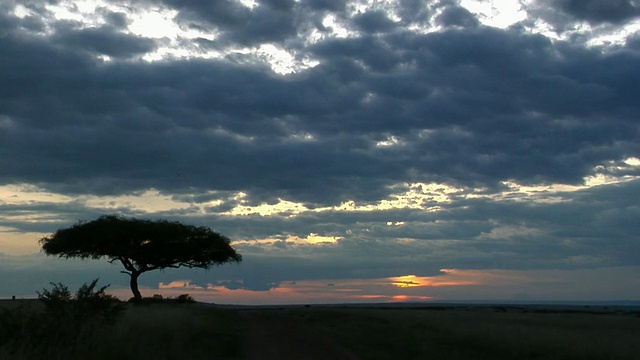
(457, 16)
(479, 101)
(564, 15)
(105, 41)
(329, 5)
(373, 22)
(103, 109)
(599, 11)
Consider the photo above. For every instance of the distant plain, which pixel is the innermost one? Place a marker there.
(205, 331)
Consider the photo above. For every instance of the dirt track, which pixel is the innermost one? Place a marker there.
(271, 335)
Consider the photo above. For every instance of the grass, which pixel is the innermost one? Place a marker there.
(152, 331)
(480, 333)
(199, 331)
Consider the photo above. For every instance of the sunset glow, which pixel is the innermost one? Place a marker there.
(351, 151)
(409, 281)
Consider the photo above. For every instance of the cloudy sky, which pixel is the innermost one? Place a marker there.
(354, 151)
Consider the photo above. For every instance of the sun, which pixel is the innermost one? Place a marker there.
(406, 281)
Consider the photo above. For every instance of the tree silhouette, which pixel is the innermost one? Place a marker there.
(141, 245)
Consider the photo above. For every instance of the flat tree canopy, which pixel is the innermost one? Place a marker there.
(141, 245)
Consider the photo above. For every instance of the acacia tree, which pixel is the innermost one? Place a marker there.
(141, 245)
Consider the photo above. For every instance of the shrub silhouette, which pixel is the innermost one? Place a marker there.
(159, 299)
(63, 321)
(88, 304)
(185, 299)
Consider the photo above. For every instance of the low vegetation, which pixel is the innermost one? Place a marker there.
(179, 328)
(480, 332)
(93, 325)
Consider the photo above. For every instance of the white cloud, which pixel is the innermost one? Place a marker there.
(498, 13)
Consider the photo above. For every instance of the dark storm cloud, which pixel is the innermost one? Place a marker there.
(373, 22)
(474, 107)
(329, 5)
(116, 19)
(457, 16)
(415, 11)
(270, 21)
(600, 11)
(283, 20)
(564, 15)
(228, 13)
(104, 40)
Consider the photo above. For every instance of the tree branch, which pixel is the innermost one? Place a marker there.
(128, 264)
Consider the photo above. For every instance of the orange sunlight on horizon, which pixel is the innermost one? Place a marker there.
(448, 278)
(393, 289)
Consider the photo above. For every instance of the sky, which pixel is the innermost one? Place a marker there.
(354, 151)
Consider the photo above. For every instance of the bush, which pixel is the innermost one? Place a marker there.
(185, 298)
(88, 304)
(64, 320)
(159, 299)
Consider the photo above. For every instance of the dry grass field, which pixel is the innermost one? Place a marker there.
(153, 331)
(201, 331)
(481, 332)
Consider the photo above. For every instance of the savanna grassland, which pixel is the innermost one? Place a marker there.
(149, 331)
(201, 331)
(481, 332)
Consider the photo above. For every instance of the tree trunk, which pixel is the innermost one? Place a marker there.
(133, 282)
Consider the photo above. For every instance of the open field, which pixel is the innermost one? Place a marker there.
(480, 332)
(201, 331)
(154, 331)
